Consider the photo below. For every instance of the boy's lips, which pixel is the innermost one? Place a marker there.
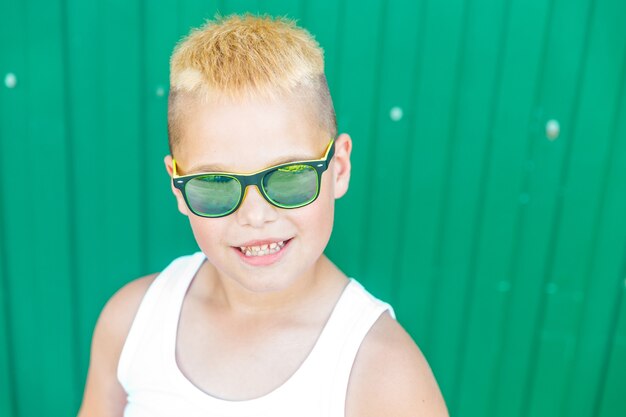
(267, 259)
(262, 242)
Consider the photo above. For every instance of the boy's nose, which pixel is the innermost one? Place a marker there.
(254, 209)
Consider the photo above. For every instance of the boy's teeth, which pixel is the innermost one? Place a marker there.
(262, 249)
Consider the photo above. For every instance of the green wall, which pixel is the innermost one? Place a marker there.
(502, 250)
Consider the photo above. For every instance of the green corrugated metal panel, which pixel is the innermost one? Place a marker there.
(503, 252)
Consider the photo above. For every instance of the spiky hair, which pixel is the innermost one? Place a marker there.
(241, 56)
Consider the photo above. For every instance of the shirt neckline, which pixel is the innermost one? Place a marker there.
(206, 399)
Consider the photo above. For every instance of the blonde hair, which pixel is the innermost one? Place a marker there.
(241, 56)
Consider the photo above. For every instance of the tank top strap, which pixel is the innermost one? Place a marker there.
(178, 285)
(332, 359)
(164, 294)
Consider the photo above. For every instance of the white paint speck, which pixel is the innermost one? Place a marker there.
(396, 113)
(10, 80)
(553, 128)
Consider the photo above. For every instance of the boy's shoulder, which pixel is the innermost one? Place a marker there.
(120, 310)
(390, 374)
(102, 389)
(118, 314)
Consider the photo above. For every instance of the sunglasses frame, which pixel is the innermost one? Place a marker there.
(256, 178)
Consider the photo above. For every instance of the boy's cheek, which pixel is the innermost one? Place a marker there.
(321, 216)
(208, 233)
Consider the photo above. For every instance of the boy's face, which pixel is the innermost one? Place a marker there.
(247, 136)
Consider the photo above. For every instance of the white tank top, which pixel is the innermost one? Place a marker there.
(156, 386)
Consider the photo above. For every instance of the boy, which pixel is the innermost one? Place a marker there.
(259, 322)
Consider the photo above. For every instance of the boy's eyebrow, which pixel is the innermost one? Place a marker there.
(283, 160)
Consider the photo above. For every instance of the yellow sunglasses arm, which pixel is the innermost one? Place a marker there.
(174, 174)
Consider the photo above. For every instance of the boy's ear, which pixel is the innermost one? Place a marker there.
(169, 166)
(343, 148)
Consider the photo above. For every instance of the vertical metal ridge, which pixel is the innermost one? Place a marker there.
(301, 12)
(554, 231)
(482, 192)
(516, 236)
(341, 15)
(444, 202)
(71, 187)
(597, 219)
(12, 354)
(619, 298)
(5, 288)
(372, 139)
(178, 20)
(8, 323)
(411, 132)
(521, 214)
(142, 140)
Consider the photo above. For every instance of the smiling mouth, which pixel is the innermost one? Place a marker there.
(263, 250)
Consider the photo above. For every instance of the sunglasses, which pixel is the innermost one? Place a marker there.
(289, 186)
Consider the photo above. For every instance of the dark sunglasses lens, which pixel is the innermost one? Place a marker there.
(213, 195)
(292, 186)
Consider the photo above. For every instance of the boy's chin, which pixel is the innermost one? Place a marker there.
(261, 284)
(265, 281)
